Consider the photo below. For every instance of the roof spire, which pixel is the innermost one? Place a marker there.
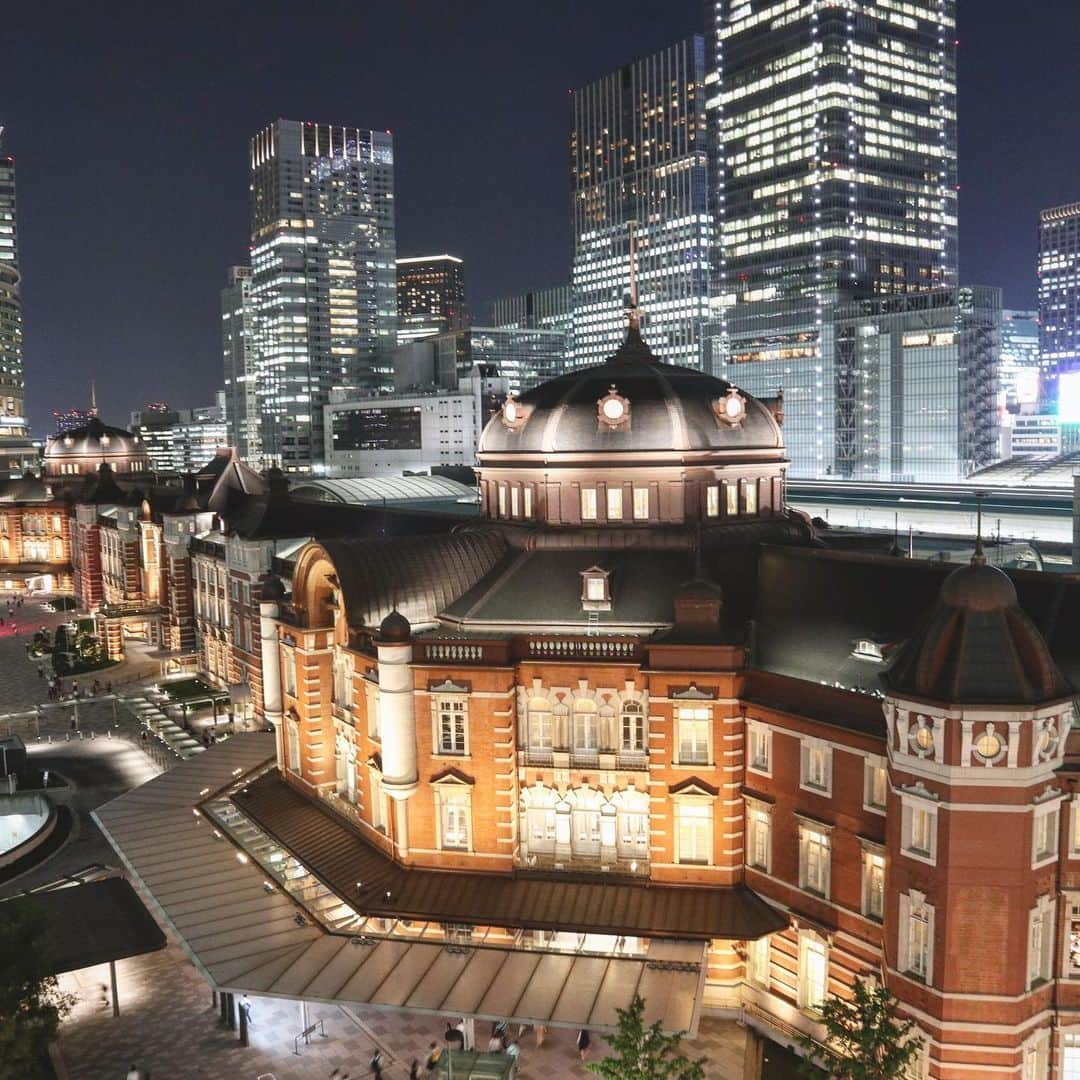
(635, 313)
(978, 558)
(93, 399)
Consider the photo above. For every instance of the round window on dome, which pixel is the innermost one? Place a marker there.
(924, 737)
(731, 409)
(510, 411)
(614, 408)
(988, 745)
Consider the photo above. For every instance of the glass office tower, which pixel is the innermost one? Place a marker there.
(12, 405)
(638, 154)
(324, 283)
(538, 309)
(1059, 294)
(241, 377)
(430, 296)
(834, 181)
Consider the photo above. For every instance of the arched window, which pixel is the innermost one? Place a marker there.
(632, 821)
(538, 819)
(585, 815)
(632, 728)
(586, 728)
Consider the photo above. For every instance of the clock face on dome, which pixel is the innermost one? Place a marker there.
(510, 411)
(514, 414)
(613, 410)
(730, 409)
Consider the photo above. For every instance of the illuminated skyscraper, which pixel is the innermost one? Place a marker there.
(638, 154)
(538, 309)
(241, 375)
(1020, 373)
(834, 181)
(323, 282)
(1059, 294)
(12, 406)
(430, 296)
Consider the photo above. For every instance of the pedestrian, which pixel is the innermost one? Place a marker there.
(454, 1037)
(414, 1070)
(495, 1044)
(513, 1050)
(434, 1053)
(376, 1065)
(135, 1073)
(540, 1031)
(245, 1008)
(583, 1041)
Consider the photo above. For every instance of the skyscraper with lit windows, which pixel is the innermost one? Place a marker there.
(430, 296)
(1059, 296)
(638, 154)
(323, 281)
(12, 408)
(834, 181)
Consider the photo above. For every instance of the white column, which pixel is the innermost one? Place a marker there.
(397, 719)
(271, 672)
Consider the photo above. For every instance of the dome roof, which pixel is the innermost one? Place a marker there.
(395, 628)
(670, 408)
(977, 647)
(97, 442)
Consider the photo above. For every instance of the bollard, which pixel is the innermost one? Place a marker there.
(93, 734)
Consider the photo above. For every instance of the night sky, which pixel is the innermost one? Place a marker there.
(130, 135)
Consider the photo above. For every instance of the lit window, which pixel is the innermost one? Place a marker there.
(541, 725)
(759, 836)
(731, 500)
(633, 728)
(695, 830)
(759, 738)
(750, 497)
(515, 501)
(294, 763)
(586, 727)
(614, 503)
(814, 859)
(916, 936)
(813, 971)
(712, 500)
(873, 883)
(876, 784)
(453, 808)
(588, 504)
(757, 961)
(452, 714)
(816, 766)
(288, 671)
(502, 500)
(1044, 846)
(641, 504)
(693, 727)
(921, 840)
(595, 588)
(528, 500)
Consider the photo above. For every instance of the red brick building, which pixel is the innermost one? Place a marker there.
(641, 685)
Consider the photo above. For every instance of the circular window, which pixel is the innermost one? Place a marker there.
(733, 407)
(924, 737)
(510, 411)
(988, 746)
(613, 408)
(1047, 742)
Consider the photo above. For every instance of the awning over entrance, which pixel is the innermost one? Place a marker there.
(248, 935)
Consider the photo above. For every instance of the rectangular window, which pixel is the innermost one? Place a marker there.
(641, 504)
(454, 822)
(873, 885)
(633, 731)
(750, 497)
(614, 503)
(502, 500)
(759, 737)
(1040, 941)
(918, 829)
(527, 492)
(515, 501)
(921, 824)
(595, 588)
(816, 762)
(876, 784)
(294, 746)
(453, 714)
(588, 504)
(813, 971)
(695, 833)
(1044, 846)
(541, 729)
(378, 803)
(919, 944)
(712, 500)
(814, 859)
(693, 723)
(757, 962)
(288, 671)
(731, 500)
(759, 838)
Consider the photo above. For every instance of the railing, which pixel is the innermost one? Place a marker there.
(589, 648)
(453, 651)
(634, 760)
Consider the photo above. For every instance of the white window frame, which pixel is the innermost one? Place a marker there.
(295, 763)
(712, 500)
(815, 858)
(527, 501)
(450, 707)
(758, 747)
(873, 866)
(641, 504)
(910, 807)
(811, 944)
(614, 502)
(453, 816)
(379, 811)
(501, 493)
(750, 498)
(731, 500)
(1042, 923)
(288, 670)
(588, 504)
(699, 809)
(1070, 943)
(633, 728)
(515, 501)
(1045, 833)
(916, 937)
(1036, 1064)
(874, 770)
(758, 835)
(536, 720)
(693, 716)
(815, 766)
(758, 961)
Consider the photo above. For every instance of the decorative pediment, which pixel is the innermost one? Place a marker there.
(694, 786)
(448, 686)
(452, 778)
(694, 693)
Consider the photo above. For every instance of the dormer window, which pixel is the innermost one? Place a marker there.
(595, 589)
(613, 409)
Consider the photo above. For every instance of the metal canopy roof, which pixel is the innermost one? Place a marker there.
(244, 935)
(379, 489)
(93, 924)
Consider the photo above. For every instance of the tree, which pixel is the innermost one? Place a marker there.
(865, 1039)
(645, 1053)
(31, 1004)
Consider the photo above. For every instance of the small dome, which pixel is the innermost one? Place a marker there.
(273, 589)
(646, 405)
(84, 449)
(395, 628)
(187, 504)
(979, 587)
(977, 647)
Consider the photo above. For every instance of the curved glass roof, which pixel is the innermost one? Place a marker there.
(376, 489)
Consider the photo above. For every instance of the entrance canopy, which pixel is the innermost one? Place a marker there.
(248, 933)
